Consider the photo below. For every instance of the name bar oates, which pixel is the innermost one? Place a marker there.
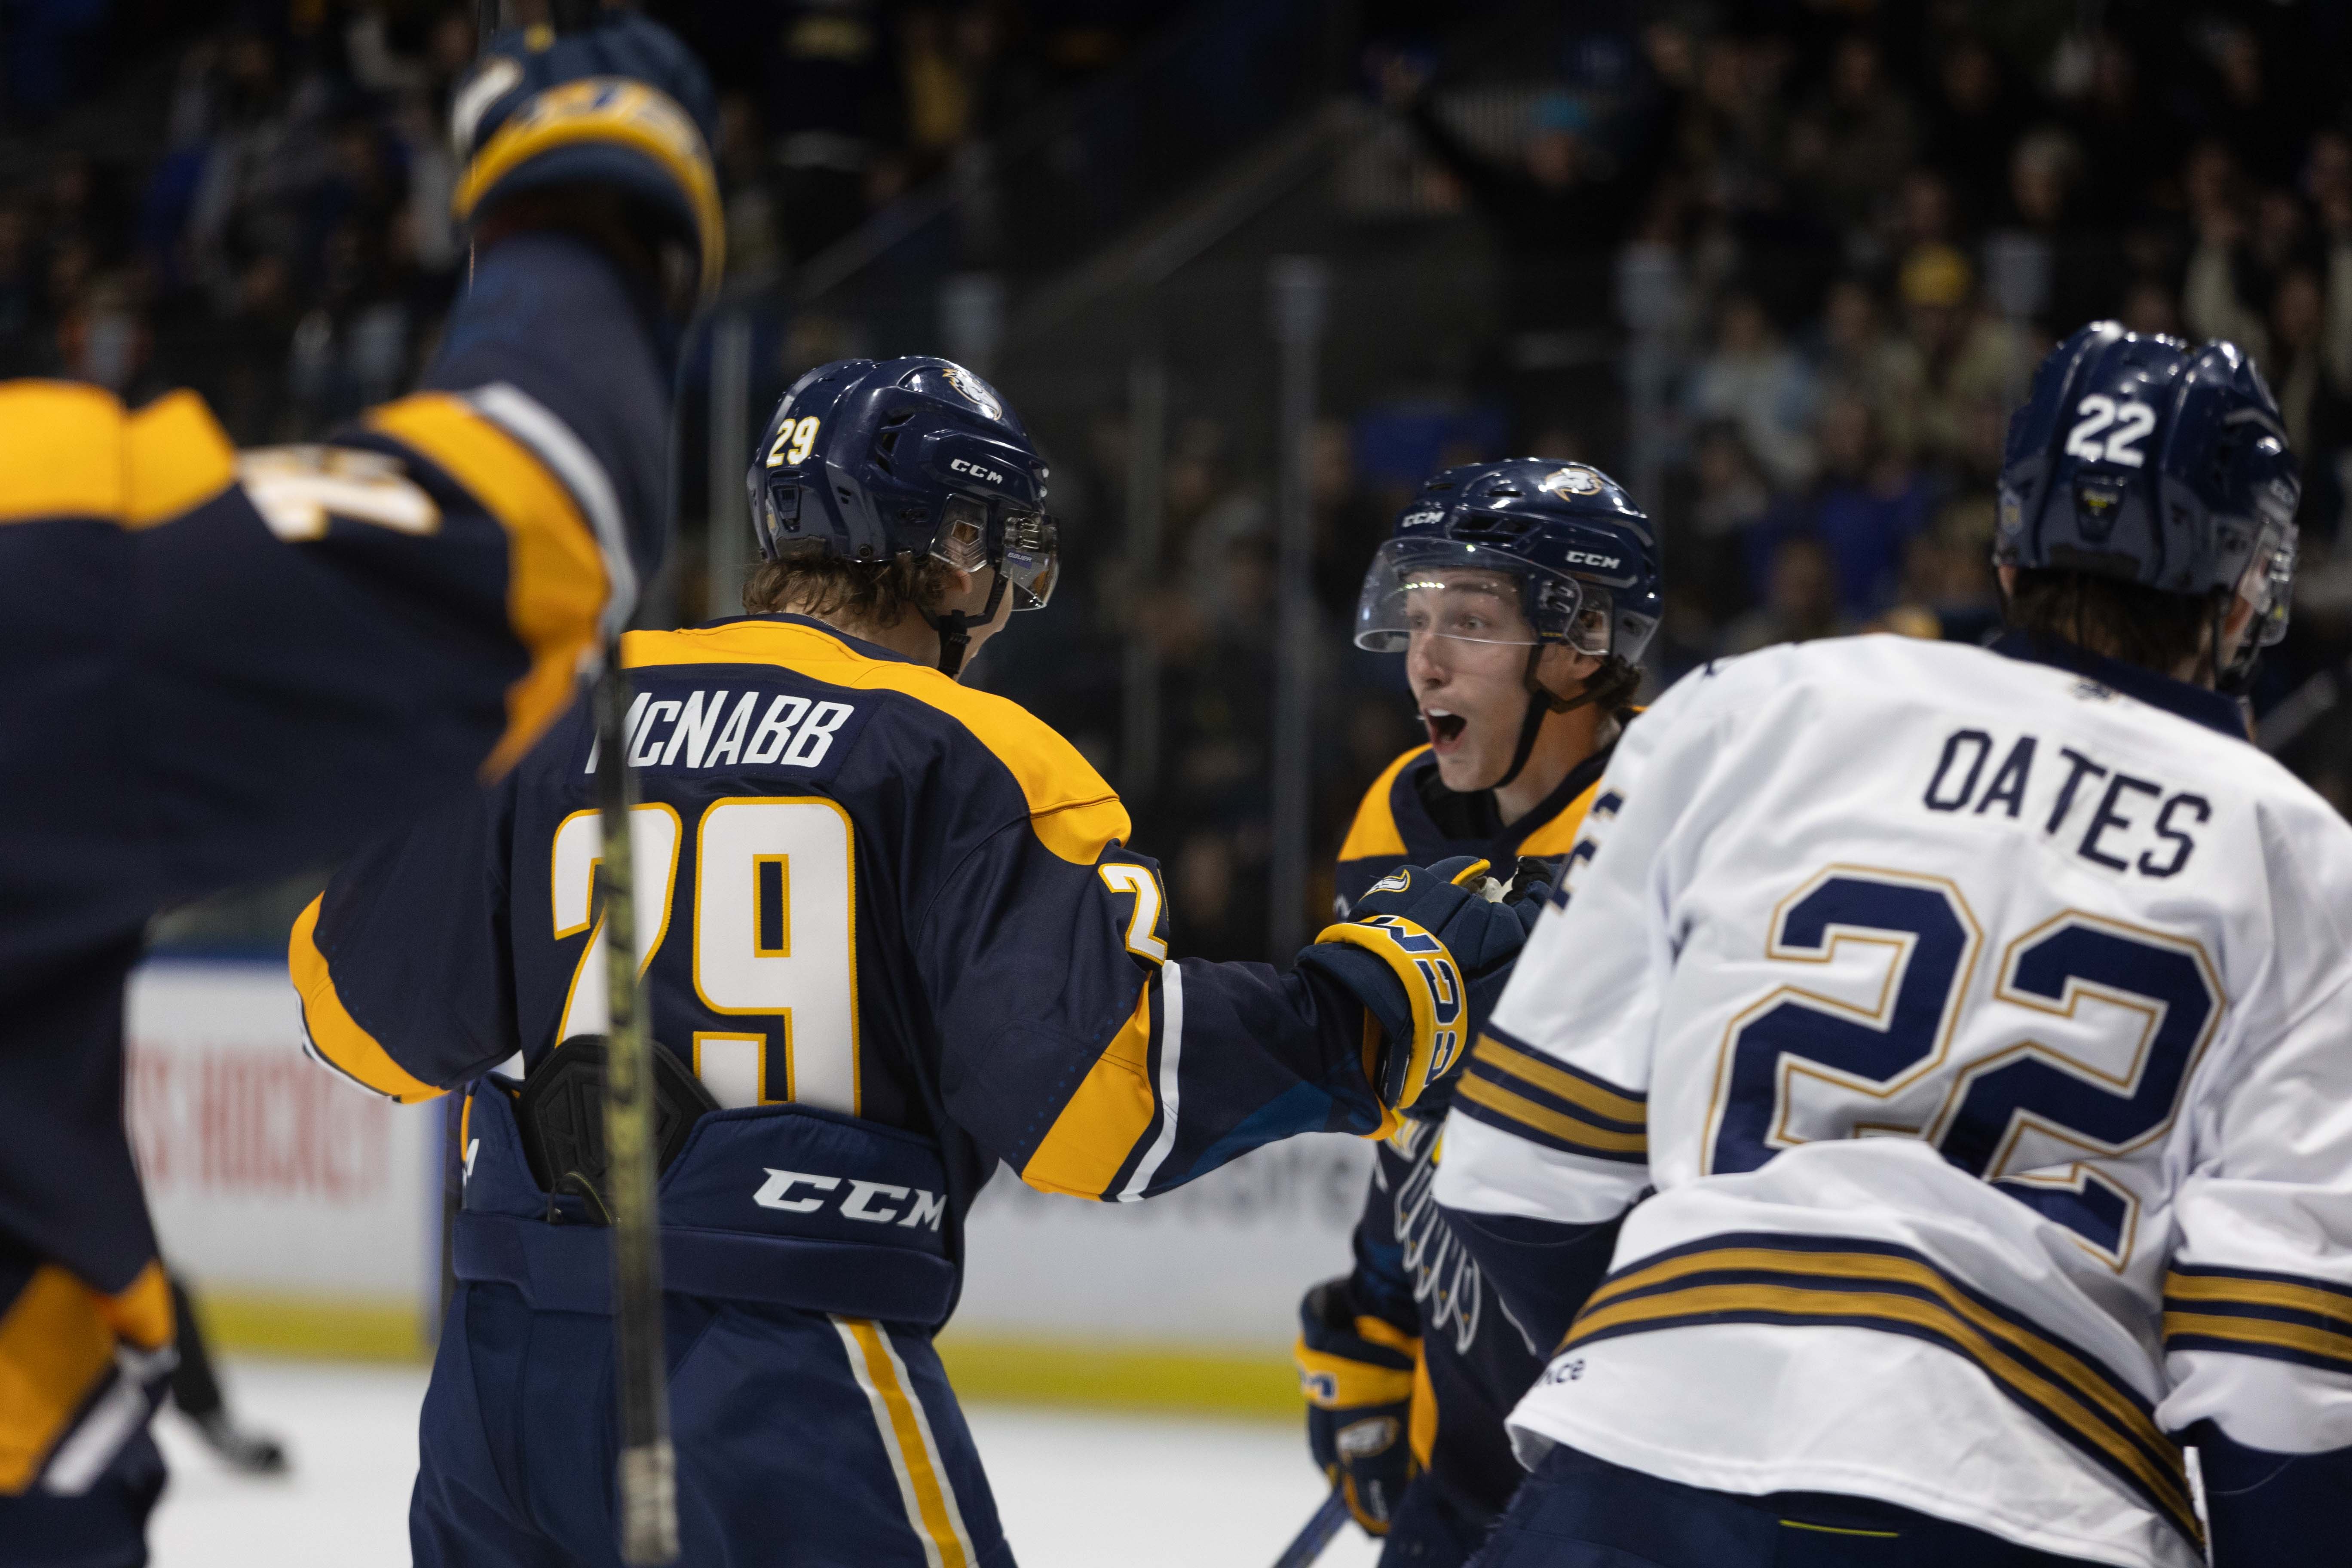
(705, 728)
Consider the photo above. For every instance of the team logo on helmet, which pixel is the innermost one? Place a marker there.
(1575, 479)
(972, 387)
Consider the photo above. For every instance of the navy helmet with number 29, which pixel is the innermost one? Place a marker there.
(2140, 458)
(875, 459)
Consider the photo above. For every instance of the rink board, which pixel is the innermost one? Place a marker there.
(307, 1214)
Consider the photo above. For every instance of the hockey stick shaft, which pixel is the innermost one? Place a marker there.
(1317, 1532)
(647, 1472)
(647, 1480)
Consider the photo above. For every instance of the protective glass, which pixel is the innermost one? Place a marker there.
(2268, 582)
(1450, 588)
(1031, 559)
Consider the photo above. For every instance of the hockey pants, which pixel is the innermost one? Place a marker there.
(804, 1439)
(1576, 1512)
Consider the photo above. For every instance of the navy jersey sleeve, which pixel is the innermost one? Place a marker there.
(296, 645)
(405, 964)
(1090, 1061)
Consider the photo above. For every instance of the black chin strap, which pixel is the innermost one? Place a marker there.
(1542, 702)
(955, 629)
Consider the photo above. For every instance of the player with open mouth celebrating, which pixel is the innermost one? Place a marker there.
(1522, 593)
(1978, 1017)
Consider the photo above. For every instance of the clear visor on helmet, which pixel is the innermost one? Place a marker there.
(1032, 559)
(1450, 588)
(2268, 582)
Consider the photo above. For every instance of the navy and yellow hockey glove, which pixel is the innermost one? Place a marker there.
(1356, 1370)
(622, 109)
(1427, 953)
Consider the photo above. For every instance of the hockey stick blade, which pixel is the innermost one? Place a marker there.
(1317, 1534)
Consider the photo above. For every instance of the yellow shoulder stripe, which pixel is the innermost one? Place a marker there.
(555, 577)
(1075, 814)
(332, 1028)
(1374, 831)
(1558, 836)
(177, 455)
(70, 450)
(1106, 1118)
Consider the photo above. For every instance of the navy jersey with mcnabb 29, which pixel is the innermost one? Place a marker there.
(864, 888)
(892, 926)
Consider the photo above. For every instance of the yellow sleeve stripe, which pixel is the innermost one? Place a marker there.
(69, 450)
(618, 111)
(1104, 1119)
(2316, 1344)
(57, 1343)
(556, 586)
(1075, 814)
(1339, 1383)
(2233, 1290)
(1567, 1085)
(1566, 1128)
(336, 1034)
(54, 1348)
(1374, 831)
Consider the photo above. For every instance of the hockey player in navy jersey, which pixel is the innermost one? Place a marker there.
(1979, 1018)
(221, 667)
(894, 935)
(1521, 594)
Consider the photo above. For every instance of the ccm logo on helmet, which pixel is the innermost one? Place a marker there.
(1586, 558)
(980, 471)
(859, 1203)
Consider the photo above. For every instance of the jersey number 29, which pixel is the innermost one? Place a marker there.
(771, 915)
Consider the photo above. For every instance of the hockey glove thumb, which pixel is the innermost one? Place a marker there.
(1427, 953)
(1356, 1370)
(624, 108)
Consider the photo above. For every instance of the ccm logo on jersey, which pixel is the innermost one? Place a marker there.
(980, 471)
(866, 1200)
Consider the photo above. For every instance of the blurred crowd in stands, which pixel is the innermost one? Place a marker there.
(1781, 266)
(252, 198)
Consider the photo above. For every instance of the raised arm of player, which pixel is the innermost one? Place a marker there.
(1546, 1147)
(309, 642)
(2258, 1303)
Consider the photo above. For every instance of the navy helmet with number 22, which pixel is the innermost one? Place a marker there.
(2140, 458)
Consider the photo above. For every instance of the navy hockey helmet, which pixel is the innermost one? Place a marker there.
(1584, 556)
(875, 459)
(2139, 459)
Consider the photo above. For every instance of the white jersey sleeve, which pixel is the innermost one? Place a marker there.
(1550, 1119)
(2258, 1301)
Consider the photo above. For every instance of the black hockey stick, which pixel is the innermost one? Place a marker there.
(1310, 1541)
(647, 1478)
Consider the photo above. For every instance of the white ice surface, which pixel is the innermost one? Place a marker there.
(1075, 1490)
